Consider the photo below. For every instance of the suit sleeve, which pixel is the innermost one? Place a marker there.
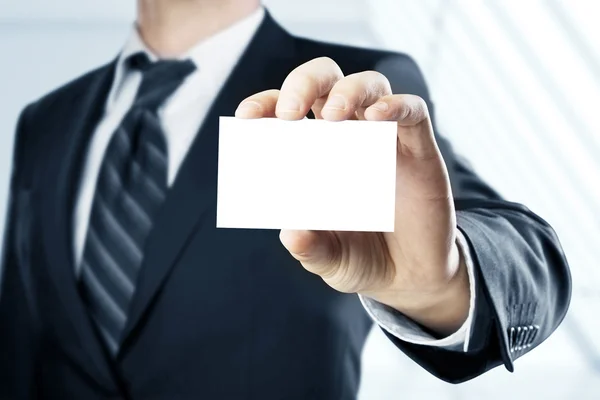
(522, 280)
(18, 342)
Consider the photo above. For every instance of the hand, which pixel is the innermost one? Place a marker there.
(417, 269)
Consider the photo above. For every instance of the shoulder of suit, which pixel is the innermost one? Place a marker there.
(64, 94)
(38, 115)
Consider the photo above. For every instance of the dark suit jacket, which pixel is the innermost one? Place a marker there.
(228, 313)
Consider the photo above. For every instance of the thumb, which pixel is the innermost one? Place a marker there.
(316, 250)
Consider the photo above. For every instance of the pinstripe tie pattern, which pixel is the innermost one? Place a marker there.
(130, 190)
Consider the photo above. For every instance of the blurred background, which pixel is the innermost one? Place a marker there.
(517, 89)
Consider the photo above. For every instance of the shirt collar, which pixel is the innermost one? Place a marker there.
(207, 54)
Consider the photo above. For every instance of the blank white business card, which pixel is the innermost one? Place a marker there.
(307, 174)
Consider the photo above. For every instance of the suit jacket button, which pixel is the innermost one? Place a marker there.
(511, 339)
(524, 336)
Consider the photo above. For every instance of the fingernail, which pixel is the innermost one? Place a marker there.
(288, 104)
(381, 106)
(336, 102)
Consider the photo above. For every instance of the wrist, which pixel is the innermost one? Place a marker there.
(443, 310)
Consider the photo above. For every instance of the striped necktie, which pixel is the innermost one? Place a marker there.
(131, 187)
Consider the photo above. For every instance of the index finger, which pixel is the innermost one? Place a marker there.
(304, 85)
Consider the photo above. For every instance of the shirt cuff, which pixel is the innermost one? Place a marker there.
(407, 330)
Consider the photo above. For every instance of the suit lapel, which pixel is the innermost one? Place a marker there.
(71, 137)
(191, 203)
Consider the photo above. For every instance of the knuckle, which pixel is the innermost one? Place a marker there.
(379, 80)
(363, 86)
(417, 103)
(300, 84)
(375, 85)
(327, 61)
(317, 75)
(378, 76)
(403, 111)
(413, 108)
(421, 104)
(421, 110)
(271, 92)
(330, 67)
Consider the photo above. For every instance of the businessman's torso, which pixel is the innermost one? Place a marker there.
(217, 313)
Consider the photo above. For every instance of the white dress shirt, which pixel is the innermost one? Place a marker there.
(181, 117)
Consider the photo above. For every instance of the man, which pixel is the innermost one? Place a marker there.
(117, 285)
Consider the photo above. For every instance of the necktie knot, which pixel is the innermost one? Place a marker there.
(159, 79)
